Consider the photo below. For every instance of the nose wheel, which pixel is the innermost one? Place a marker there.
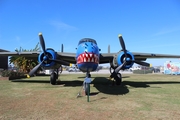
(86, 84)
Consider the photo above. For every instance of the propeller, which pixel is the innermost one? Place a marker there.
(126, 59)
(46, 57)
(35, 69)
(42, 43)
(142, 63)
(122, 45)
(114, 74)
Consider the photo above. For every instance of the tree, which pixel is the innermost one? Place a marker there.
(25, 64)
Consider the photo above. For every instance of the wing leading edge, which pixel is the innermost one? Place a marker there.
(69, 57)
(108, 57)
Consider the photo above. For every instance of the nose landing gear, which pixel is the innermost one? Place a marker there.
(86, 84)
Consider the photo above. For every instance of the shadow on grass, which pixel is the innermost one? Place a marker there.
(104, 85)
(145, 84)
(71, 83)
(102, 77)
(31, 81)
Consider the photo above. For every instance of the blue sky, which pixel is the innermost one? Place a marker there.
(150, 26)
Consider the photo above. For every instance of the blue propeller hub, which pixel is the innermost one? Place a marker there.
(49, 54)
(129, 59)
(45, 58)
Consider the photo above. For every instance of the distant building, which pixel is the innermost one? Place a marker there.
(3, 60)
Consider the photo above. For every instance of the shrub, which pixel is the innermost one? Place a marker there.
(9, 73)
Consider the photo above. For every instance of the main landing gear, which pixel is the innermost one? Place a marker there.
(117, 76)
(54, 77)
(118, 79)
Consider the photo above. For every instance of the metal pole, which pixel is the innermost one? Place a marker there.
(88, 92)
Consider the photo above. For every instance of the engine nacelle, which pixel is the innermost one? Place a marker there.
(50, 54)
(119, 59)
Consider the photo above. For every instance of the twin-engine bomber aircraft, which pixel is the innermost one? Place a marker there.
(87, 58)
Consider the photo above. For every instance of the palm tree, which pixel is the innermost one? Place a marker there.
(25, 64)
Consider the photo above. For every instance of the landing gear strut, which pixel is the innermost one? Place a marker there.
(117, 76)
(86, 83)
(118, 79)
(54, 77)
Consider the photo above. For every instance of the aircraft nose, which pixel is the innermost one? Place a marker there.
(90, 48)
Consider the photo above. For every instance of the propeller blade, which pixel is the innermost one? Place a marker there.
(116, 71)
(35, 69)
(42, 43)
(142, 63)
(61, 62)
(122, 44)
(119, 67)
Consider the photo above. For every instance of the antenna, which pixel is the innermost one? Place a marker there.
(108, 48)
(62, 48)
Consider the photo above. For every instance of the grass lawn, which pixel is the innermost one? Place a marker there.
(141, 97)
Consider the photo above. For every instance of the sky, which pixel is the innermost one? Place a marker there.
(148, 26)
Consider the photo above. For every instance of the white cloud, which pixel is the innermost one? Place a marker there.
(62, 26)
(166, 31)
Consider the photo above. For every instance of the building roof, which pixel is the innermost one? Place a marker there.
(1, 50)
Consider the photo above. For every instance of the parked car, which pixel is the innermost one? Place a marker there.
(155, 70)
(73, 69)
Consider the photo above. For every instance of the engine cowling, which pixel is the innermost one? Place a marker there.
(120, 57)
(50, 54)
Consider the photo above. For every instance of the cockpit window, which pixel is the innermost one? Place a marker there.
(87, 40)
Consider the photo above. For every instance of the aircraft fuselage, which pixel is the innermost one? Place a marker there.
(87, 55)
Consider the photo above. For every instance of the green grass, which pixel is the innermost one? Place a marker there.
(150, 96)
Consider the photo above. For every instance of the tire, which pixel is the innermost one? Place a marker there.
(53, 78)
(118, 79)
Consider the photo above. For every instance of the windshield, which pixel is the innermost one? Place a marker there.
(87, 40)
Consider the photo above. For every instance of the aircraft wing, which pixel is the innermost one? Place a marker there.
(25, 54)
(107, 57)
(104, 57)
(152, 55)
(68, 57)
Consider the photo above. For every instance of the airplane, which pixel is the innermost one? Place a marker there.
(87, 58)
